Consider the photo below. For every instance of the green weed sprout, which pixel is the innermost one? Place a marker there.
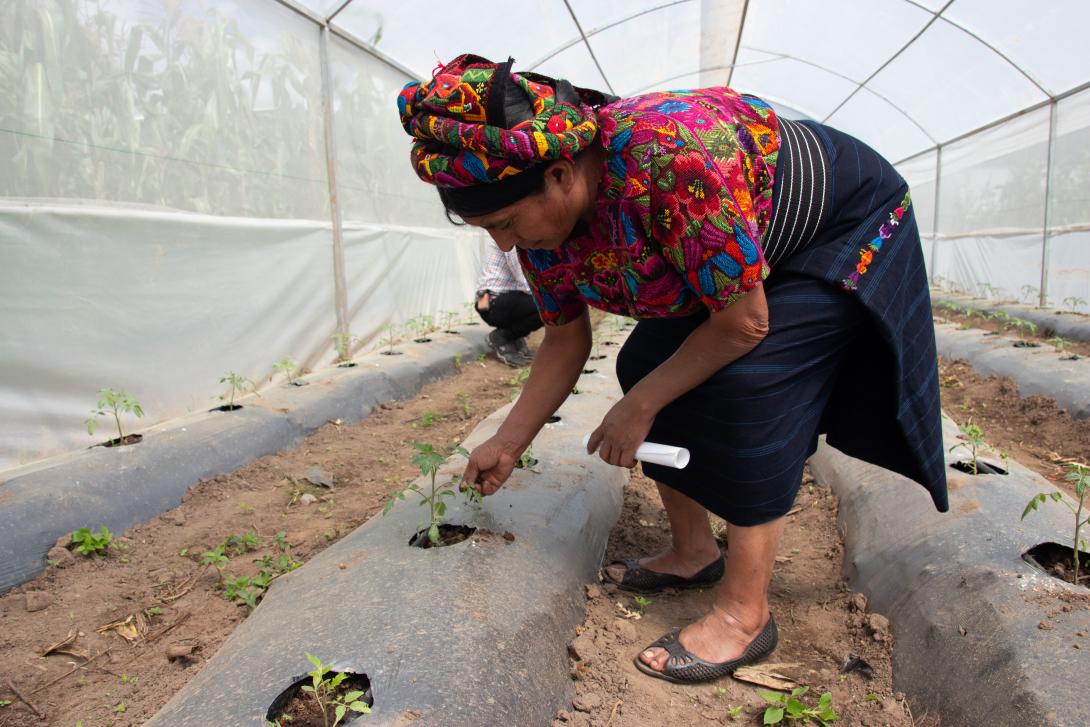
(975, 441)
(1079, 476)
(789, 706)
(518, 380)
(324, 688)
(288, 367)
(429, 459)
(114, 403)
(1073, 302)
(467, 404)
(427, 419)
(89, 543)
(641, 603)
(1029, 293)
(390, 337)
(237, 386)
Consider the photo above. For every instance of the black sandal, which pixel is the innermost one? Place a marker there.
(685, 667)
(638, 579)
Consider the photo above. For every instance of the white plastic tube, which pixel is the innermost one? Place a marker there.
(661, 454)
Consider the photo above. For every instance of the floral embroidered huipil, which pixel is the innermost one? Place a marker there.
(686, 195)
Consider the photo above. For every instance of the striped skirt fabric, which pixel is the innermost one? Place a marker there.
(850, 350)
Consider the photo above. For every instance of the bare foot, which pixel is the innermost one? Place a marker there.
(715, 638)
(669, 562)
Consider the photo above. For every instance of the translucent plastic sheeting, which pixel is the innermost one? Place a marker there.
(160, 305)
(884, 127)
(812, 90)
(1046, 40)
(200, 106)
(919, 172)
(1069, 192)
(1007, 264)
(386, 269)
(1069, 271)
(374, 178)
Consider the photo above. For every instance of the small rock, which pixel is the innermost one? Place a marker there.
(60, 557)
(38, 601)
(64, 541)
(1045, 625)
(625, 630)
(582, 647)
(878, 627)
(307, 499)
(563, 715)
(858, 603)
(318, 477)
(180, 651)
(593, 590)
(609, 588)
(587, 702)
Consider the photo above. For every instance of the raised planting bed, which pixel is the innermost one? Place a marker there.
(982, 635)
(1039, 370)
(1073, 327)
(470, 633)
(119, 487)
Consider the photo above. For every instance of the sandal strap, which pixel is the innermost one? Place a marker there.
(685, 666)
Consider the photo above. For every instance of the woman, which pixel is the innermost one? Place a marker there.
(776, 271)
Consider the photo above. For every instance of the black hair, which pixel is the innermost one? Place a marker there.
(482, 199)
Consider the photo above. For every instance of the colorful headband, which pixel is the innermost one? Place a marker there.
(475, 122)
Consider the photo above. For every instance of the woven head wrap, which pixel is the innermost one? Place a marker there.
(476, 123)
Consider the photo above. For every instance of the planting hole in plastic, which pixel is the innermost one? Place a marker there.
(553, 419)
(1057, 561)
(346, 365)
(982, 468)
(1026, 344)
(391, 353)
(597, 358)
(226, 407)
(121, 442)
(302, 707)
(448, 535)
(590, 371)
(421, 340)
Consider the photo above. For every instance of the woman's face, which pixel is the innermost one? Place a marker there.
(542, 221)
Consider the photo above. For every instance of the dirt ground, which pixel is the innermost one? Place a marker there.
(1033, 430)
(822, 623)
(114, 681)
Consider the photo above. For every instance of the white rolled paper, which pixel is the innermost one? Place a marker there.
(662, 454)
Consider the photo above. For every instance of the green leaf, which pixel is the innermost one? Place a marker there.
(339, 713)
(361, 707)
(795, 708)
(770, 696)
(799, 691)
(440, 508)
(314, 661)
(352, 696)
(433, 533)
(773, 715)
(337, 679)
(1034, 503)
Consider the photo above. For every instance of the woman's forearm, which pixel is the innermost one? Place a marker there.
(725, 337)
(556, 368)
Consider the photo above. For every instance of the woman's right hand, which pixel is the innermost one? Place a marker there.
(490, 464)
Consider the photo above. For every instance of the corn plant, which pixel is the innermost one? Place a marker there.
(237, 385)
(114, 403)
(1073, 302)
(288, 368)
(974, 441)
(1079, 476)
(324, 690)
(428, 459)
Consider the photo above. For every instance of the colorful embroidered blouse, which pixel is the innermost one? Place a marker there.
(684, 200)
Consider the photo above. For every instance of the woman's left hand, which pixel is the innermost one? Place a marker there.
(622, 431)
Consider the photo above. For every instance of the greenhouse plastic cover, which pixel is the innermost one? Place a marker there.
(190, 187)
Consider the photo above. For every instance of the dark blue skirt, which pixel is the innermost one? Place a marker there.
(850, 352)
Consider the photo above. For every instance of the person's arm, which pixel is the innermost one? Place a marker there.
(726, 336)
(556, 368)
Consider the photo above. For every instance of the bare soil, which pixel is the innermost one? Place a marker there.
(1034, 430)
(167, 611)
(822, 624)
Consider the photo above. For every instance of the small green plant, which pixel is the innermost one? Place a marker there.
(427, 419)
(1029, 293)
(245, 543)
(1028, 328)
(114, 403)
(5, 703)
(89, 543)
(467, 408)
(1059, 343)
(1073, 302)
(153, 611)
(448, 318)
(427, 324)
(281, 541)
(735, 713)
(342, 344)
(974, 441)
(236, 386)
(470, 307)
(527, 460)
(792, 708)
(215, 558)
(428, 459)
(457, 362)
(324, 690)
(1079, 476)
(288, 368)
(641, 603)
(518, 380)
(390, 337)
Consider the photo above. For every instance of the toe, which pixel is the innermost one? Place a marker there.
(615, 572)
(654, 658)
